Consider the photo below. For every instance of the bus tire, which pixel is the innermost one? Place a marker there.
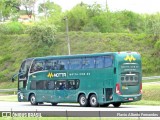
(33, 100)
(104, 105)
(54, 104)
(116, 104)
(83, 100)
(93, 100)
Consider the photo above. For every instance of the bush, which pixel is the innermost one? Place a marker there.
(12, 28)
(42, 34)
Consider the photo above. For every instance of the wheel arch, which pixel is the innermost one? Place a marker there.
(29, 96)
(81, 93)
(92, 93)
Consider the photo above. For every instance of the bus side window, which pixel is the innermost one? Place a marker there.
(75, 64)
(99, 62)
(50, 85)
(48, 65)
(40, 85)
(33, 85)
(108, 61)
(55, 65)
(88, 63)
(63, 64)
(38, 65)
(60, 84)
(73, 84)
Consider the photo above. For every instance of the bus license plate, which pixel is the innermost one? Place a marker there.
(130, 99)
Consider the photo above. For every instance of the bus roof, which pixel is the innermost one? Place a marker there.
(82, 55)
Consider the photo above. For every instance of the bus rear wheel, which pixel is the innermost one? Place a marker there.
(93, 101)
(33, 100)
(105, 105)
(116, 104)
(54, 104)
(83, 100)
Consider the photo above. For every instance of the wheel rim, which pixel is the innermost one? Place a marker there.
(93, 101)
(83, 100)
(33, 99)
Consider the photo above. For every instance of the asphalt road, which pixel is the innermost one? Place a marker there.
(26, 106)
(71, 110)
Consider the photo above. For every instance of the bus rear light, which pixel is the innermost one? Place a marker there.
(118, 89)
(140, 89)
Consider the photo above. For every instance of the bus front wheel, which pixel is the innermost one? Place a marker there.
(33, 100)
(116, 104)
(93, 101)
(54, 104)
(83, 100)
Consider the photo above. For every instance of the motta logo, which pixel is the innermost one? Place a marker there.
(129, 58)
(51, 75)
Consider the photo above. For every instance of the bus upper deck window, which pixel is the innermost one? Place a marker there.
(108, 61)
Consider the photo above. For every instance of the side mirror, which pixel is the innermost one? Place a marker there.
(13, 77)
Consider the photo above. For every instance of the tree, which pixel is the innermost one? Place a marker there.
(29, 6)
(50, 9)
(77, 17)
(8, 8)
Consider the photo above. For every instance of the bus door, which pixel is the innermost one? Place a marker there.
(60, 92)
(108, 89)
(22, 78)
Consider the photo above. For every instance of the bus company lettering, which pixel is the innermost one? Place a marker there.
(51, 75)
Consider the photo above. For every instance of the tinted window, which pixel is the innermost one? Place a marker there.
(99, 62)
(73, 84)
(63, 64)
(50, 85)
(33, 85)
(38, 65)
(60, 84)
(41, 85)
(108, 61)
(75, 64)
(48, 64)
(88, 63)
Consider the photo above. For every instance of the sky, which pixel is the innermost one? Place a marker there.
(139, 6)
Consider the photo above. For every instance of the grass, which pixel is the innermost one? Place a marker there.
(10, 98)
(150, 95)
(155, 80)
(15, 48)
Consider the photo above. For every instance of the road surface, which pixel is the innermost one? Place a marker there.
(71, 110)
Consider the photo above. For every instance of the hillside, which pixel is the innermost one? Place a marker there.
(15, 48)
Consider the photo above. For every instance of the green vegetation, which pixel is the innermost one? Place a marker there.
(10, 98)
(15, 48)
(150, 95)
(148, 81)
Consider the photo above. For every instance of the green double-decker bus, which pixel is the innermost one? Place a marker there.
(88, 79)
